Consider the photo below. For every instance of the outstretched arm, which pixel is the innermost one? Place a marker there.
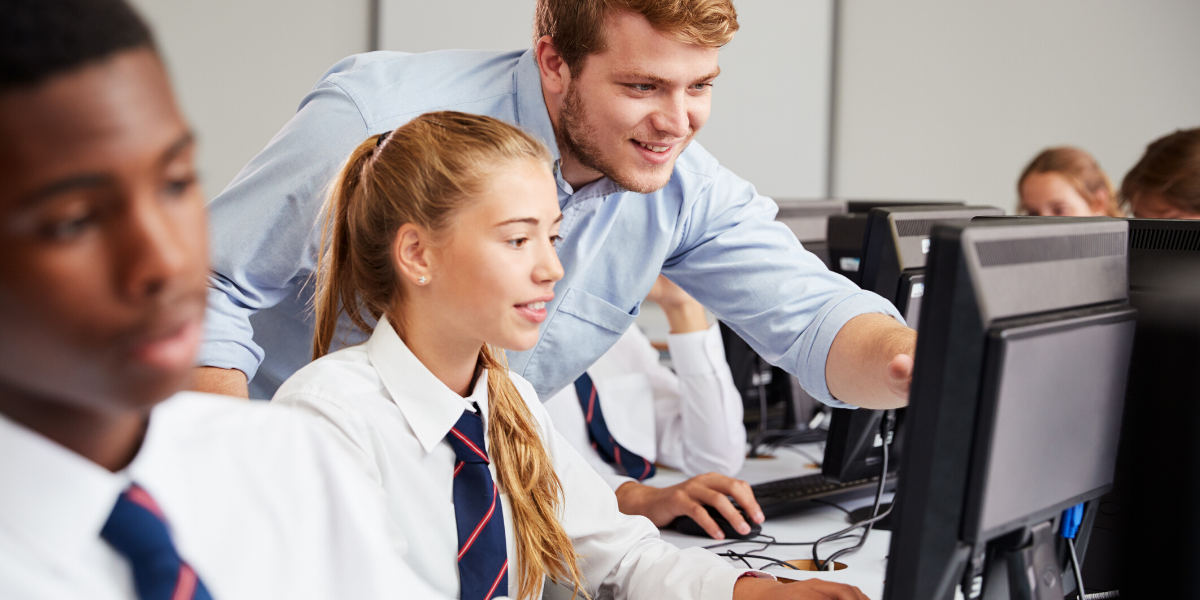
(214, 380)
(871, 362)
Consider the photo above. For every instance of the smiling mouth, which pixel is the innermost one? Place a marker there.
(533, 305)
(653, 148)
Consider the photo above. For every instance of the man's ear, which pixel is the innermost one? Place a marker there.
(556, 76)
(411, 252)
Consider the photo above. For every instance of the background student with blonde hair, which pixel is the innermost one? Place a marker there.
(1165, 182)
(441, 246)
(1066, 182)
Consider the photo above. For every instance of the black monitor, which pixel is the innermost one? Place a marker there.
(1014, 411)
(846, 233)
(808, 220)
(893, 266)
(1157, 486)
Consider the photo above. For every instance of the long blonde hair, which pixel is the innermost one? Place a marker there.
(423, 173)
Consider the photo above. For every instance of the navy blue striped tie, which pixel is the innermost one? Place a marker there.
(482, 552)
(613, 453)
(138, 530)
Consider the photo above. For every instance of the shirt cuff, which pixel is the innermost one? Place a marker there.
(828, 326)
(691, 352)
(718, 583)
(227, 355)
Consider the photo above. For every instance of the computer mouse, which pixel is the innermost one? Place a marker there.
(689, 526)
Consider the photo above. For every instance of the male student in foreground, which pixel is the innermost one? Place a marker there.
(110, 489)
(617, 89)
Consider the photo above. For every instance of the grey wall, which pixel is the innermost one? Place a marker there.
(241, 67)
(943, 99)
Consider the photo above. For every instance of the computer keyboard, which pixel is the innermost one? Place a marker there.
(790, 495)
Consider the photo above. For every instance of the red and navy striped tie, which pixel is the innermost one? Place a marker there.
(137, 529)
(613, 453)
(482, 552)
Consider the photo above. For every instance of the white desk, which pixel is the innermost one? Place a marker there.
(865, 568)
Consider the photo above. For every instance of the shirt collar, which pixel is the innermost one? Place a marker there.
(430, 407)
(52, 496)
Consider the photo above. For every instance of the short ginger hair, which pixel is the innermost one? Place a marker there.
(577, 26)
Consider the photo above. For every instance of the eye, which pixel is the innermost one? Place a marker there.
(517, 243)
(555, 240)
(68, 229)
(700, 87)
(642, 87)
(179, 186)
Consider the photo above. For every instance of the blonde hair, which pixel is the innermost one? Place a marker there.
(577, 26)
(1081, 171)
(423, 173)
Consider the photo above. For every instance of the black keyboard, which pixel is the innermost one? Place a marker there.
(790, 495)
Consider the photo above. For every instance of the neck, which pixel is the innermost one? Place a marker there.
(109, 439)
(572, 170)
(451, 359)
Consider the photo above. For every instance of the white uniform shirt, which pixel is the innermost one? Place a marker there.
(262, 502)
(398, 414)
(690, 419)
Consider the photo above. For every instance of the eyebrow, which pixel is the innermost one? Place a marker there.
(93, 180)
(530, 220)
(659, 80)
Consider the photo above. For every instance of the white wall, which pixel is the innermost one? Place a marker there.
(770, 116)
(241, 67)
(950, 100)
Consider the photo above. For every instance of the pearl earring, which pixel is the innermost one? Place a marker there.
(421, 279)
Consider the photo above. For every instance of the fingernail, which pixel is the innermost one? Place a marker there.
(743, 529)
(759, 517)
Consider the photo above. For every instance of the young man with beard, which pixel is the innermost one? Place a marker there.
(617, 89)
(116, 487)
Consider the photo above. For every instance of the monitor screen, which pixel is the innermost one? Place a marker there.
(1054, 419)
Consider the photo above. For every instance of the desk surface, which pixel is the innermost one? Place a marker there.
(865, 568)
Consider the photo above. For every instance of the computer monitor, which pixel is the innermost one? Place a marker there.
(1157, 484)
(808, 220)
(893, 266)
(846, 233)
(1015, 404)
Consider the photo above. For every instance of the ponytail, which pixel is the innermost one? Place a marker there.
(421, 173)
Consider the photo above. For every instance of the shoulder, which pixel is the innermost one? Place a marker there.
(389, 85)
(342, 374)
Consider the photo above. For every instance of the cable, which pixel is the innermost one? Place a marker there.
(1079, 591)
(885, 429)
(828, 503)
(1070, 526)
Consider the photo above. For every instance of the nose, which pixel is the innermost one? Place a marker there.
(672, 116)
(548, 268)
(150, 250)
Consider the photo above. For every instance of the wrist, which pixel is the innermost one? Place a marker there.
(686, 317)
(751, 587)
(629, 497)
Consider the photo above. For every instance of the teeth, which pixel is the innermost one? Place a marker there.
(535, 305)
(654, 148)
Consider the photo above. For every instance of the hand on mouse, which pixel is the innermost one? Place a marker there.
(755, 588)
(662, 505)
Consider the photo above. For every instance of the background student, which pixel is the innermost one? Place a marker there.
(108, 491)
(443, 233)
(1165, 182)
(618, 92)
(1066, 182)
(642, 413)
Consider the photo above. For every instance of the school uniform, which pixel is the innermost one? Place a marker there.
(408, 427)
(689, 419)
(251, 502)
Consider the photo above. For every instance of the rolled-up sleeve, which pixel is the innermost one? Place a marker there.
(265, 226)
(751, 272)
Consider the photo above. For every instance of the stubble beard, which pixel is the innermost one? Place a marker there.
(577, 138)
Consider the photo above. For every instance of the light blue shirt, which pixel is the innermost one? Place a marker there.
(707, 230)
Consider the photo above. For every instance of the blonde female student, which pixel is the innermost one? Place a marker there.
(442, 232)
